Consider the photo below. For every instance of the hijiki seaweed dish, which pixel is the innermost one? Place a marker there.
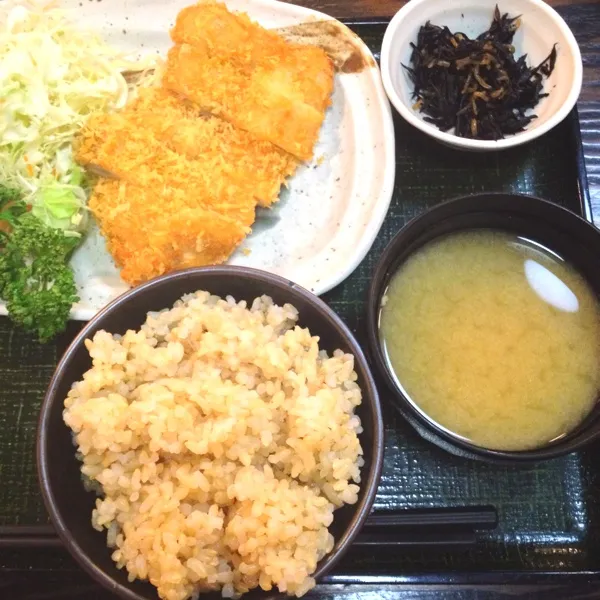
(476, 87)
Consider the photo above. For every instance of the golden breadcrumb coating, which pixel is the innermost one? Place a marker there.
(251, 77)
(135, 155)
(158, 137)
(184, 129)
(151, 231)
(234, 37)
(163, 210)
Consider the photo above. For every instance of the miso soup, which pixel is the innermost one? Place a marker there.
(494, 338)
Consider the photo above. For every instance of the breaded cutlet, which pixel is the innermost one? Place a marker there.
(232, 67)
(150, 231)
(180, 186)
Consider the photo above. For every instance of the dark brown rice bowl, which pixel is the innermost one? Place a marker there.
(70, 506)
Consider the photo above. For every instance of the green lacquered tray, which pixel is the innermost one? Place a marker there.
(549, 515)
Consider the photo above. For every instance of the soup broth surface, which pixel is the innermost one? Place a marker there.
(494, 338)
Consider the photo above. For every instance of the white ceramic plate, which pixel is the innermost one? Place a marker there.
(327, 220)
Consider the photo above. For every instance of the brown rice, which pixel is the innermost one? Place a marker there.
(220, 439)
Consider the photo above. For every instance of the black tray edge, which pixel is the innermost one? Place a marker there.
(476, 578)
(582, 180)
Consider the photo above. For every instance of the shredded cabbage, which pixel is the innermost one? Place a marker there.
(53, 77)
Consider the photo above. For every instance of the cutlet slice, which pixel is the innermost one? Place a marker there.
(119, 142)
(119, 146)
(257, 164)
(161, 210)
(237, 70)
(150, 231)
(248, 99)
(211, 27)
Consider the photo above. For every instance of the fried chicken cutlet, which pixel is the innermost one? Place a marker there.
(232, 67)
(184, 165)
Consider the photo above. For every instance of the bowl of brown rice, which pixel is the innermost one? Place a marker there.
(211, 433)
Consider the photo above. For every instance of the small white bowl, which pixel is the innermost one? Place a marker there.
(541, 27)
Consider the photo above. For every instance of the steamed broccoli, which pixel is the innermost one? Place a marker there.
(36, 282)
